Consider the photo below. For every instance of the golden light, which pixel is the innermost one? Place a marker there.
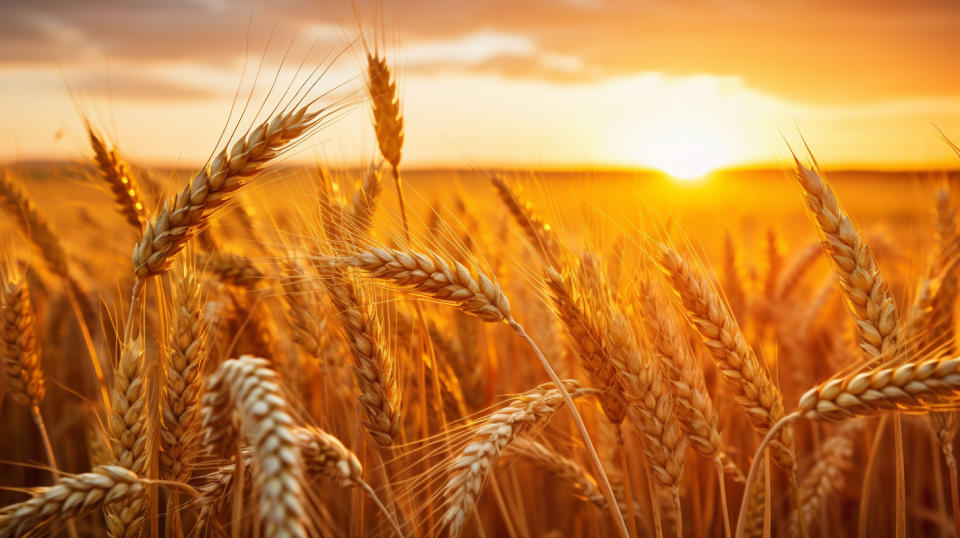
(686, 154)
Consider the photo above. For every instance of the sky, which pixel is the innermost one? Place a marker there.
(684, 86)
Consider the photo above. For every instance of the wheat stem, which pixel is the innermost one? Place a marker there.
(751, 475)
(581, 427)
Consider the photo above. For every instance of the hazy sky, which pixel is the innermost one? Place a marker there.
(526, 83)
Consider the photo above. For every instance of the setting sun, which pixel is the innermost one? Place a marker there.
(686, 154)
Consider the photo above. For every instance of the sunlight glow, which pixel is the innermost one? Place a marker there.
(685, 154)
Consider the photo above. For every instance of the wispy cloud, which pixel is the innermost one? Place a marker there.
(849, 50)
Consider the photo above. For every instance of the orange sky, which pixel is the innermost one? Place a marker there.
(682, 85)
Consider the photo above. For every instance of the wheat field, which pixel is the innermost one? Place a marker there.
(261, 347)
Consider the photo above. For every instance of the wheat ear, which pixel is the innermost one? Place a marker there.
(581, 300)
(373, 366)
(481, 297)
(185, 214)
(868, 297)
(309, 329)
(183, 384)
(387, 118)
(707, 313)
(940, 327)
(695, 407)
(912, 386)
(469, 472)
(70, 497)
(249, 388)
(230, 268)
(540, 235)
(567, 471)
(21, 358)
(649, 404)
(434, 277)
(116, 173)
(364, 202)
(321, 453)
(129, 436)
(33, 225)
(825, 479)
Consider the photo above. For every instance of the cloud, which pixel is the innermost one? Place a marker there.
(140, 86)
(817, 50)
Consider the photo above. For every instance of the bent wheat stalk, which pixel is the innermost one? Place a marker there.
(481, 296)
(472, 468)
(910, 387)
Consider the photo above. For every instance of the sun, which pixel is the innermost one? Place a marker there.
(685, 154)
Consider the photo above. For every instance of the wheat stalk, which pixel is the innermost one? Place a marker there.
(116, 173)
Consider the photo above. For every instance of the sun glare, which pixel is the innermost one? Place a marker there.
(685, 155)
